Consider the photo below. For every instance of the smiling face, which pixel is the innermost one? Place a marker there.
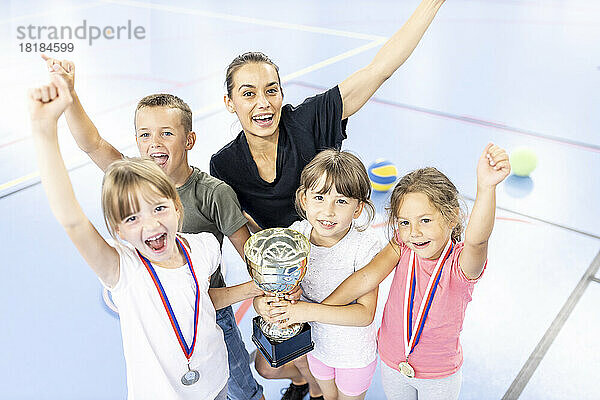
(256, 99)
(330, 213)
(151, 228)
(160, 134)
(421, 226)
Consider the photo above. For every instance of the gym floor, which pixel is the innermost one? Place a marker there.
(514, 72)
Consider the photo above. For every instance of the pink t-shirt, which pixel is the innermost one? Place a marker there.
(438, 353)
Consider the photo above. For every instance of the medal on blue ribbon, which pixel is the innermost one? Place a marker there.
(191, 376)
(411, 339)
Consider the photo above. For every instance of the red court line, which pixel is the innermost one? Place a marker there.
(517, 21)
(14, 141)
(239, 314)
(514, 220)
(380, 224)
(135, 77)
(469, 120)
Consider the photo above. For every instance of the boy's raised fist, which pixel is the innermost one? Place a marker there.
(64, 68)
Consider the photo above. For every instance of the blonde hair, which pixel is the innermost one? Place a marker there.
(169, 101)
(343, 170)
(441, 193)
(124, 180)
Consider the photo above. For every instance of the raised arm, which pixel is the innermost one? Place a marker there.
(46, 104)
(361, 85)
(367, 278)
(81, 126)
(493, 167)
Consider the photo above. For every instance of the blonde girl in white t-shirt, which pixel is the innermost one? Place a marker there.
(159, 278)
(334, 191)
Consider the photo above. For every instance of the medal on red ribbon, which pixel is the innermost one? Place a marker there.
(411, 339)
(191, 376)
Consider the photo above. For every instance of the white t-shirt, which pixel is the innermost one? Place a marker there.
(339, 346)
(154, 358)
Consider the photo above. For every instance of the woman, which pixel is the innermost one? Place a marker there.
(263, 163)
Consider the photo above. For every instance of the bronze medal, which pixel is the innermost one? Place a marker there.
(406, 369)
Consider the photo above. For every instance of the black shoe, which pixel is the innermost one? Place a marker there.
(295, 392)
(317, 398)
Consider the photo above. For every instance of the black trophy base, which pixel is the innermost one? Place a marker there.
(278, 354)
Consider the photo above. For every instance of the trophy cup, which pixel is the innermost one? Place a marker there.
(276, 259)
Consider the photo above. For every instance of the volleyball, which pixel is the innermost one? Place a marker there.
(382, 174)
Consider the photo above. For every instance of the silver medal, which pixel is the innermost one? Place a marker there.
(190, 377)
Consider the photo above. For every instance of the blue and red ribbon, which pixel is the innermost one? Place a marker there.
(429, 298)
(187, 350)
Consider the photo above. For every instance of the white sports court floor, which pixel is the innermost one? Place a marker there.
(515, 72)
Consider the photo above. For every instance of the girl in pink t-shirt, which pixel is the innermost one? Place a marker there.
(434, 278)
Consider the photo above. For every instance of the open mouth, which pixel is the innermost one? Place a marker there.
(157, 243)
(327, 224)
(160, 158)
(421, 245)
(263, 120)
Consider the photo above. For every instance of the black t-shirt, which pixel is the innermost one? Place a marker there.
(314, 125)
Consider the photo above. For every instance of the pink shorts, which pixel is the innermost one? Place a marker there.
(350, 381)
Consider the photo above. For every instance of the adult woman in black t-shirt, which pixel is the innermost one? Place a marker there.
(263, 163)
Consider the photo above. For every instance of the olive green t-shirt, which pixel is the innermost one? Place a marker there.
(210, 205)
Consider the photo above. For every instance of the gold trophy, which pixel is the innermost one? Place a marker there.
(277, 260)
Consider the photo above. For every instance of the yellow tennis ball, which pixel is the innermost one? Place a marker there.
(523, 161)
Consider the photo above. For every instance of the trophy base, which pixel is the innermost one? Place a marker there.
(278, 354)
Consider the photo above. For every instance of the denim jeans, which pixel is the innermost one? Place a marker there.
(241, 384)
